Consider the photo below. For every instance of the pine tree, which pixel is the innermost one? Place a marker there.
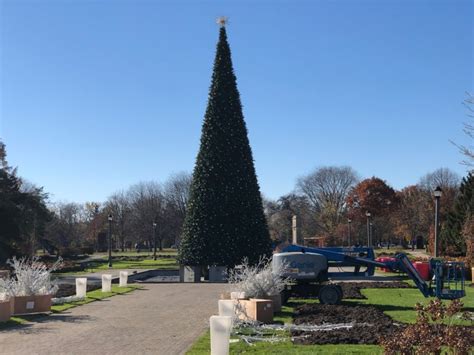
(452, 239)
(10, 208)
(224, 221)
(23, 214)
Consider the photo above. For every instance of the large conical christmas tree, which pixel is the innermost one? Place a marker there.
(453, 241)
(224, 221)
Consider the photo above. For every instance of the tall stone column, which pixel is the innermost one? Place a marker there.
(296, 235)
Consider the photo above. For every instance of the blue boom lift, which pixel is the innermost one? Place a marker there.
(309, 268)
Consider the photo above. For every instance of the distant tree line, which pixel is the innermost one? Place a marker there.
(329, 198)
(324, 201)
(141, 213)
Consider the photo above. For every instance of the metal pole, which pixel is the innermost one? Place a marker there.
(368, 231)
(371, 234)
(436, 231)
(110, 242)
(349, 235)
(154, 241)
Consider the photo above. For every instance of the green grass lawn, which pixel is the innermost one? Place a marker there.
(163, 264)
(202, 347)
(134, 253)
(397, 303)
(101, 265)
(92, 296)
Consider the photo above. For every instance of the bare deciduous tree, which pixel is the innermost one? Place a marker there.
(327, 189)
(66, 230)
(119, 206)
(177, 189)
(148, 204)
(467, 150)
(442, 177)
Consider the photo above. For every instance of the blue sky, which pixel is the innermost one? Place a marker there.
(99, 95)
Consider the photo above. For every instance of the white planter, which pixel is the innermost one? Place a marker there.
(106, 283)
(81, 287)
(220, 334)
(123, 278)
(238, 295)
(226, 308)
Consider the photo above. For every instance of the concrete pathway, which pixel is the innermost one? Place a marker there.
(160, 319)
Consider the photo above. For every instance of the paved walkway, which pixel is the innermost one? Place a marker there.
(160, 319)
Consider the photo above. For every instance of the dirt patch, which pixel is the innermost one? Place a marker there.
(66, 290)
(369, 324)
(352, 289)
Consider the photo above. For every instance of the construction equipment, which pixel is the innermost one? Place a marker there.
(309, 267)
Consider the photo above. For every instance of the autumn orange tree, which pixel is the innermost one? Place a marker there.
(380, 199)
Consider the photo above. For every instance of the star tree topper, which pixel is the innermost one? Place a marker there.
(222, 21)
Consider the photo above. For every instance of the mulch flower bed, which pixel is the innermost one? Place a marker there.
(369, 324)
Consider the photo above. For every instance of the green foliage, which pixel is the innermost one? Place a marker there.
(452, 240)
(225, 221)
(23, 212)
(433, 331)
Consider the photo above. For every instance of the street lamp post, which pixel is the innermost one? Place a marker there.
(368, 227)
(349, 221)
(372, 234)
(437, 194)
(110, 219)
(154, 240)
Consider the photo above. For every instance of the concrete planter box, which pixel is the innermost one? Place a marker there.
(31, 304)
(217, 274)
(256, 309)
(6, 310)
(189, 273)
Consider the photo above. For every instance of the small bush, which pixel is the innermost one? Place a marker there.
(432, 331)
(257, 281)
(31, 277)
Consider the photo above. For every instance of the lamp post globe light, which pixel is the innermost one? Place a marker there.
(349, 221)
(154, 240)
(437, 193)
(368, 214)
(110, 219)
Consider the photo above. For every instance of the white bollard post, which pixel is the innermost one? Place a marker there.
(106, 283)
(220, 334)
(226, 307)
(123, 278)
(81, 287)
(237, 295)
